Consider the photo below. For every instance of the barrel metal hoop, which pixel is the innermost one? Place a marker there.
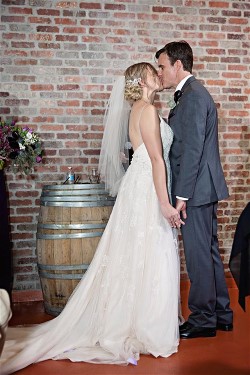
(70, 226)
(76, 204)
(74, 198)
(73, 276)
(68, 267)
(43, 268)
(51, 193)
(44, 236)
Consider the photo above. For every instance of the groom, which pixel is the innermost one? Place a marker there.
(198, 185)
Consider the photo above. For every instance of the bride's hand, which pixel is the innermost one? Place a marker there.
(172, 215)
(123, 157)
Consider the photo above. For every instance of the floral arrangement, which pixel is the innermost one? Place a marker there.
(20, 147)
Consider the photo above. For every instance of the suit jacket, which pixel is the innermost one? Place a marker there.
(194, 155)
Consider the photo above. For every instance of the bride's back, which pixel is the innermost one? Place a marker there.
(134, 124)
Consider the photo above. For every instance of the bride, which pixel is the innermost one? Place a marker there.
(127, 303)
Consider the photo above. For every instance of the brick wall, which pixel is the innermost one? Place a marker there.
(58, 62)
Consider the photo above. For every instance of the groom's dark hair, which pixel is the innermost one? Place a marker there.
(178, 51)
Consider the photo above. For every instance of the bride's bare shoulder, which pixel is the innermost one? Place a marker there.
(143, 108)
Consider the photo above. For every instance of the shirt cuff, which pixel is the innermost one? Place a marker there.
(183, 199)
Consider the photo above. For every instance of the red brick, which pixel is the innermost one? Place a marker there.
(85, 5)
(44, 119)
(232, 136)
(236, 36)
(14, 19)
(20, 10)
(48, 12)
(239, 113)
(91, 152)
(219, 36)
(76, 144)
(51, 111)
(75, 30)
(240, 21)
(14, 36)
(49, 45)
(46, 37)
(39, 20)
(47, 29)
(22, 45)
(28, 62)
(22, 236)
(22, 219)
(92, 136)
(68, 87)
(218, 4)
(4, 110)
(114, 7)
(68, 103)
(41, 87)
(20, 202)
(24, 78)
(15, 52)
(53, 128)
(69, 38)
(216, 83)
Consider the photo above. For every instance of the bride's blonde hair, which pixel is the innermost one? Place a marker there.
(134, 74)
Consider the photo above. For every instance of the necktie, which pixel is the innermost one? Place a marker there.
(177, 95)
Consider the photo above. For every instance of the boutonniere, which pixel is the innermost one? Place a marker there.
(171, 103)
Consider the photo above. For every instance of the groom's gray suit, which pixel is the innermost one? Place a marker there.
(198, 176)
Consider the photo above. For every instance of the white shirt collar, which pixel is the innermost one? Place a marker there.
(181, 84)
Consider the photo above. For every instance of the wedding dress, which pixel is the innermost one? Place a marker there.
(127, 303)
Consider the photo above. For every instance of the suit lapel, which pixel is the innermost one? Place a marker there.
(186, 84)
(171, 113)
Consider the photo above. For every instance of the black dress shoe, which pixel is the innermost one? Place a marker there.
(193, 332)
(224, 327)
(185, 326)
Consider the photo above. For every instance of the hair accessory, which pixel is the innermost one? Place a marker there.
(133, 82)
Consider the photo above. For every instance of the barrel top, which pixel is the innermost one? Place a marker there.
(73, 186)
(76, 195)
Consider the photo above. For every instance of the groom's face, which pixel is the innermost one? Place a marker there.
(167, 72)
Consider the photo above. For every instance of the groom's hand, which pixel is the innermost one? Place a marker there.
(181, 207)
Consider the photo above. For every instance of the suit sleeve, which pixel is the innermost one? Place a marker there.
(194, 117)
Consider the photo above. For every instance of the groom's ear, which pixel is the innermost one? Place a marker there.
(179, 65)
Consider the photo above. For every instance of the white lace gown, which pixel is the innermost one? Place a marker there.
(127, 302)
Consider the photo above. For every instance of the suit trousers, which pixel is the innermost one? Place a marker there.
(208, 297)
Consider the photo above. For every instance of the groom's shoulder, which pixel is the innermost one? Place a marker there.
(197, 86)
(197, 83)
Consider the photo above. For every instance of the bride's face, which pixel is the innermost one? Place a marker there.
(153, 81)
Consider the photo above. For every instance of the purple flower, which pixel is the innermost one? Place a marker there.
(28, 130)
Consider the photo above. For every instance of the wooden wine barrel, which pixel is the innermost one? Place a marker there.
(71, 221)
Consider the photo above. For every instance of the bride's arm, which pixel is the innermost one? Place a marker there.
(150, 132)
